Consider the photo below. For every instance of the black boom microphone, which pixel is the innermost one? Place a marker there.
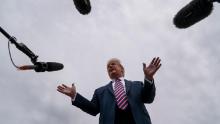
(193, 12)
(38, 66)
(43, 66)
(83, 6)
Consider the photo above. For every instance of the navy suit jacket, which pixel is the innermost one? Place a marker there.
(103, 102)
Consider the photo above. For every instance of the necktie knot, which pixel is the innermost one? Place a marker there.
(117, 80)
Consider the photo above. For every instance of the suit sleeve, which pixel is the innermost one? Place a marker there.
(90, 107)
(148, 92)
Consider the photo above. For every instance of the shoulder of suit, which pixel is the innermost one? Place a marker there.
(134, 82)
(100, 89)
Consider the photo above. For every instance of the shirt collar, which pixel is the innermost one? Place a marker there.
(121, 78)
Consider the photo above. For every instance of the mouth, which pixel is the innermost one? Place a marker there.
(112, 70)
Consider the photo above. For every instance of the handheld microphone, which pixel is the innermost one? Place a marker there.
(43, 66)
(83, 6)
(193, 12)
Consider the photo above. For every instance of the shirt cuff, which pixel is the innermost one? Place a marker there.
(149, 81)
(73, 98)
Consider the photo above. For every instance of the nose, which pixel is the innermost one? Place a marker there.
(110, 67)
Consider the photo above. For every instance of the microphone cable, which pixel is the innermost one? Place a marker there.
(10, 54)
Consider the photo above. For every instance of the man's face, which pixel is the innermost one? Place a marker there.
(115, 69)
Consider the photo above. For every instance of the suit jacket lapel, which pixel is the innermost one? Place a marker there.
(128, 86)
(110, 89)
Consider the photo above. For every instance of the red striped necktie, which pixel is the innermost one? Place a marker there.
(120, 95)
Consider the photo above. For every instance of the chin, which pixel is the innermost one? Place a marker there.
(113, 76)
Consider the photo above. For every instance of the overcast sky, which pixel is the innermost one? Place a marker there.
(134, 31)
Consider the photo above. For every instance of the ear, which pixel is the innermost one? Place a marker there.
(123, 70)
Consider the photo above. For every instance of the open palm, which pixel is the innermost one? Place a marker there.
(152, 68)
(69, 91)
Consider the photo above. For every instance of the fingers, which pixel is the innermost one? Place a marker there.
(152, 62)
(61, 88)
(158, 66)
(61, 91)
(64, 85)
(69, 91)
(157, 62)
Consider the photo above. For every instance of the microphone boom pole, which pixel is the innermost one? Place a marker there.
(22, 47)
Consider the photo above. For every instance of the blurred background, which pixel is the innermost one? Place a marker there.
(134, 31)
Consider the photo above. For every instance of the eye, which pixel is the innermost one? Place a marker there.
(113, 64)
(108, 66)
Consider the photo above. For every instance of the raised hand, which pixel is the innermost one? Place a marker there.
(69, 91)
(152, 68)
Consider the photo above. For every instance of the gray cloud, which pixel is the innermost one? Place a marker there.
(134, 31)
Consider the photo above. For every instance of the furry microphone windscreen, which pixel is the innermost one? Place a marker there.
(192, 13)
(83, 6)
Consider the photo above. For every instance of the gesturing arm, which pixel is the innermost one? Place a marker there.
(90, 107)
(148, 91)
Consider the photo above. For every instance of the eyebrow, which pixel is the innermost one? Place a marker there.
(113, 62)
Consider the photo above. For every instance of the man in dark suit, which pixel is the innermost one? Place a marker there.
(121, 101)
